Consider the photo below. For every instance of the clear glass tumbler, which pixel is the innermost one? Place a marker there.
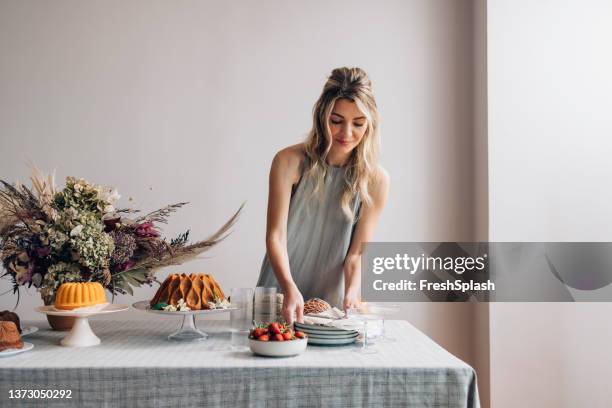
(384, 310)
(264, 307)
(241, 319)
(365, 320)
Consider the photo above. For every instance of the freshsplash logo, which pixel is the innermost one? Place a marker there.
(413, 265)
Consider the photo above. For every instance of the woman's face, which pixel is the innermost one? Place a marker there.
(347, 125)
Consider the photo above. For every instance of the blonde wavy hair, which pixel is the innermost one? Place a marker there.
(352, 84)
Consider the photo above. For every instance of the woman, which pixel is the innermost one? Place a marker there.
(325, 198)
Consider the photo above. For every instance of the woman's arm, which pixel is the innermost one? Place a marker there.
(284, 173)
(363, 233)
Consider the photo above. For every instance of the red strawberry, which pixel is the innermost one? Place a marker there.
(287, 336)
(299, 335)
(274, 328)
(263, 337)
(259, 331)
(278, 337)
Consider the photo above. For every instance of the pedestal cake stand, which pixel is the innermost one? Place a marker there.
(188, 330)
(81, 334)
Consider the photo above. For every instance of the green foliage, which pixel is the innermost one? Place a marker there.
(159, 306)
(123, 282)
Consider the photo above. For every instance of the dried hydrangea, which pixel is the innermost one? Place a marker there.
(93, 246)
(85, 196)
(79, 194)
(56, 275)
(83, 234)
(55, 238)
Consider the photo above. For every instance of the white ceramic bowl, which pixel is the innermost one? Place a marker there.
(285, 348)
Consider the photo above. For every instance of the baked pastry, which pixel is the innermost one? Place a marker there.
(9, 336)
(8, 316)
(73, 295)
(316, 305)
(196, 290)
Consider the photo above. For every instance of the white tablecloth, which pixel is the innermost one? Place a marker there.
(137, 366)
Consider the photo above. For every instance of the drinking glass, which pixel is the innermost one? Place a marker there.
(264, 307)
(242, 318)
(363, 318)
(384, 310)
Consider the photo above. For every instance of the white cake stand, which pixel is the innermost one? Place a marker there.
(81, 334)
(188, 330)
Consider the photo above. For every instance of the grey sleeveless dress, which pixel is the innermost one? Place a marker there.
(318, 239)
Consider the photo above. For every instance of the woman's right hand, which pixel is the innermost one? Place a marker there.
(293, 305)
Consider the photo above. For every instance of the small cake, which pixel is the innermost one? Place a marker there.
(8, 316)
(73, 295)
(196, 290)
(316, 305)
(9, 336)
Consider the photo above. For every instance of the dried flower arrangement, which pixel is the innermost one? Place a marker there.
(50, 236)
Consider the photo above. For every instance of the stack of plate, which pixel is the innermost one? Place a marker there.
(327, 336)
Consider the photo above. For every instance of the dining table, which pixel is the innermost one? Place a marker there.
(137, 366)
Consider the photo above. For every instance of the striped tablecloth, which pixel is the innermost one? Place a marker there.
(135, 366)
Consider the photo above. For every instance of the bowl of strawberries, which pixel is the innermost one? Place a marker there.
(276, 340)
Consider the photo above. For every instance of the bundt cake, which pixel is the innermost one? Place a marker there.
(197, 290)
(73, 295)
(8, 316)
(9, 336)
(316, 305)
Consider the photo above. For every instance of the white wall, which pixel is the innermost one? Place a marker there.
(174, 101)
(549, 98)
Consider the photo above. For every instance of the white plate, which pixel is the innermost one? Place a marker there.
(11, 352)
(110, 308)
(317, 327)
(332, 337)
(342, 333)
(145, 306)
(278, 348)
(26, 331)
(331, 342)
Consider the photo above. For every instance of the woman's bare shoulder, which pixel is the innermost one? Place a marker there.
(381, 175)
(292, 154)
(380, 183)
(288, 161)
